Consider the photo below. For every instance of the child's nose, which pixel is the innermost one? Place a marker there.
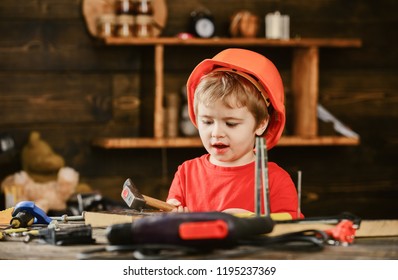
(217, 130)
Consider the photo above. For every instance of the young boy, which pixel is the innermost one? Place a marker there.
(232, 98)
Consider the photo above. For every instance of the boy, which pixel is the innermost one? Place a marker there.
(233, 98)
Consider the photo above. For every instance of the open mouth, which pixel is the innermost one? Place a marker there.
(219, 146)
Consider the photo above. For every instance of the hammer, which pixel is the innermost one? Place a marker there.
(136, 200)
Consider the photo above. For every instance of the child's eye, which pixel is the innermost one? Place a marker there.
(231, 124)
(206, 121)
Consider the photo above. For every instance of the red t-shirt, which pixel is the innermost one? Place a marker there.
(203, 186)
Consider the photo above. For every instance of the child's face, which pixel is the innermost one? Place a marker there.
(227, 134)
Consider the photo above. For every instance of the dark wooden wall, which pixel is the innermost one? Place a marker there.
(57, 79)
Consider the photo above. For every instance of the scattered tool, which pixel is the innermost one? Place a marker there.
(26, 213)
(261, 178)
(22, 219)
(299, 194)
(10, 231)
(341, 229)
(138, 201)
(66, 236)
(65, 218)
(343, 233)
(200, 230)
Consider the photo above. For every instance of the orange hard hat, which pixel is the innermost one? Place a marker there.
(258, 67)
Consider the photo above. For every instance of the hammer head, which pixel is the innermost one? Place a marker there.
(132, 196)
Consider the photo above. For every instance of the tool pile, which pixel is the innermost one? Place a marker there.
(29, 222)
(166, 235)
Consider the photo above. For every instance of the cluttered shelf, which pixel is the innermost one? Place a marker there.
(305, 73)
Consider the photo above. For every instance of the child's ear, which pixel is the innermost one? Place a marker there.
(262, 127)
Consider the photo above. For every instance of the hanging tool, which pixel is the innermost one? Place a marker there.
(138, 201)
(261, 178)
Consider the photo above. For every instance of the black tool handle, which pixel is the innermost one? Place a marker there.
(166, 229)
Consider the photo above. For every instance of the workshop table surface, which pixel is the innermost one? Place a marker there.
(362, 249)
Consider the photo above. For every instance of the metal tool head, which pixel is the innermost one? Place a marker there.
(132, 196)
(261, 178)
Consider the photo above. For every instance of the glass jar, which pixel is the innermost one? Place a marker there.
(143, 7)
(144, 18)
(144, 26)
(106, 25)
(124, 7)
(125, 26)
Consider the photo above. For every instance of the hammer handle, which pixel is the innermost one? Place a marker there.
(158, 204)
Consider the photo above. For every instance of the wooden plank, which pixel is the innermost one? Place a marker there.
(60, 45)
(104, 219)
(305, 75)
(358, 92)
(62, 98)
(369, 249)
(159, 114)
(122, 143)
(318, 141)
(5, 217)
(33, 9)
(126, 100)
(377, 228)
(367, 228)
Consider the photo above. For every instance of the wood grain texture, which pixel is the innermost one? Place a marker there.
(48, 59)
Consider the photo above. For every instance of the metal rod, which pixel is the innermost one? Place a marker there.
(65, 218)
(264, 173)
(257, 180)
(299, 194)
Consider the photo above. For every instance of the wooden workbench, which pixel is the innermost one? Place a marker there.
(362, 249)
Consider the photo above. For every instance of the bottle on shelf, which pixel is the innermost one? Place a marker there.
(144, 19)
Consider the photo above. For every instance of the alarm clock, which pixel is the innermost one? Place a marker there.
(202, 24)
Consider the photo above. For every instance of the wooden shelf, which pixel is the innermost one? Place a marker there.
(307, 42)
(304, 85)
(181, 142)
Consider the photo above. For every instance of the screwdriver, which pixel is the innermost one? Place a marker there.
(8, 231)
(22, 219)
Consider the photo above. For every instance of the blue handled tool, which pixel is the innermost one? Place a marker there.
(25, 212)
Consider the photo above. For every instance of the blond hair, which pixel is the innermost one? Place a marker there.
(234, 91)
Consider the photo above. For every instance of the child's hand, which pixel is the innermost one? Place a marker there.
(236, 211)
(179, 208)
